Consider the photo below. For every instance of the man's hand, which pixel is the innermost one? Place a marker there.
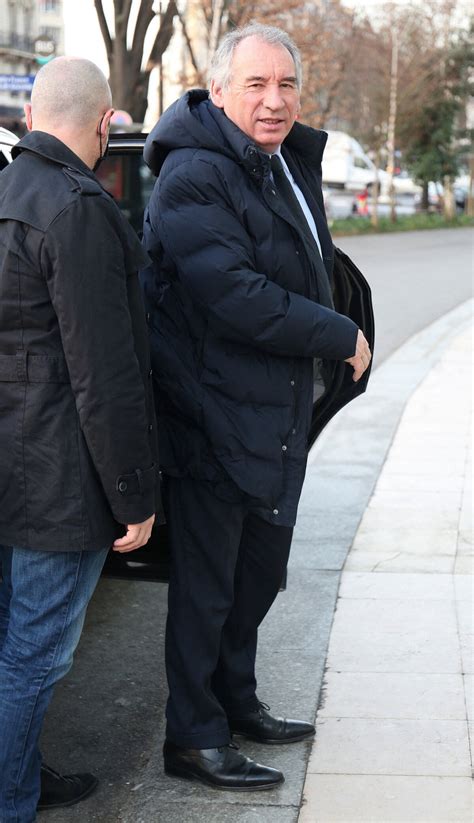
(361, 358)
(138, 534)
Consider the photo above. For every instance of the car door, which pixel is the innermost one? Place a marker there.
(124, 173)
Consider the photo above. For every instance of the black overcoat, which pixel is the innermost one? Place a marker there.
(236, 318)
(77, 440)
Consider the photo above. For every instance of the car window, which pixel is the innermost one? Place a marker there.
(130, 182)
(360, 163)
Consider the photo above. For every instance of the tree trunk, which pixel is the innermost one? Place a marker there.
(470, 194)
(449, 204)
(392, 120)
(374, 219)
(425, 199)
(128, 81)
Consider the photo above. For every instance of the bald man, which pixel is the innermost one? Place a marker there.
(78, 471)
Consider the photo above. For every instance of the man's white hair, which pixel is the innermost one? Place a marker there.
(70, 90)
(221, 67)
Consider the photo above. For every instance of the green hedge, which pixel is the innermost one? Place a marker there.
(412, 222)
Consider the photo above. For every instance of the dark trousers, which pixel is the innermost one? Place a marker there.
(227, 566)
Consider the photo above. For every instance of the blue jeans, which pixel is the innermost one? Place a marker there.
(43, 602)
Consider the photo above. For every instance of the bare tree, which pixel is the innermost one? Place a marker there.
(128, 75)
(326, 35)
(218, 17)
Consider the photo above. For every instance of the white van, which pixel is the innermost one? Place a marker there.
(345, 163)
(346, 167)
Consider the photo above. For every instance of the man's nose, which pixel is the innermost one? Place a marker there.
(273, 98)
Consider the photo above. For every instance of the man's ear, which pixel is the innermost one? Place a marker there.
(216, 94)
(105, 123)
(28, 116)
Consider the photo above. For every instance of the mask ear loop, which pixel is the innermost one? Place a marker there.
(100, 136)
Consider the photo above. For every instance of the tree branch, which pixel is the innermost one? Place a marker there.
(189, 45)
(219, 8)
(104, 27)
(122, 15)
(144, 18)
(163, 36)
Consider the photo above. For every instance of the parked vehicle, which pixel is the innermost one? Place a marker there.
(348, 169)
(461, 187)
(345, 164)
(7, 141)
(124, 173)
(338, 203)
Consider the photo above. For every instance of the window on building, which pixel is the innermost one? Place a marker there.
(52, 6)
(51, 33)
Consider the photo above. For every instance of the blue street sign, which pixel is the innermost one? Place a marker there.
(16, 82)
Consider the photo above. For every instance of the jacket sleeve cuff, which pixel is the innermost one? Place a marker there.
(137, 482)
(349, 338)
(134, 498)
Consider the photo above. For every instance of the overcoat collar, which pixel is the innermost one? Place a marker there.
(53, 149)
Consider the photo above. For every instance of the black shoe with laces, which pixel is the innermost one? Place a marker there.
(59, 790)
(259, 725)
(221, 768)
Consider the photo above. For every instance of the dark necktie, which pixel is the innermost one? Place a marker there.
(287, 194)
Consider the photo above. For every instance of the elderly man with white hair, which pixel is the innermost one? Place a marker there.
(242, 321)
(78, 473)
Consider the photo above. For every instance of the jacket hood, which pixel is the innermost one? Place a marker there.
(194, 121)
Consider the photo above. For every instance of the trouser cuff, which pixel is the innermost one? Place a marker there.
(202, 740)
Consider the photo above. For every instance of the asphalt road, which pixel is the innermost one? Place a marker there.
(107, 715)
(415, 278)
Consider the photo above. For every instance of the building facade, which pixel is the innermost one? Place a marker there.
(31, 33)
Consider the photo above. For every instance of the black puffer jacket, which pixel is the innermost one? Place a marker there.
(233, 301)
(77, 443)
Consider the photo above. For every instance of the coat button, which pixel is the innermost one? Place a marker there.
(275, 511)
(122, 486)
(150, 373)
(293, 431)
(284, 448)
(292, 382)
(297, 252)
(150, 427)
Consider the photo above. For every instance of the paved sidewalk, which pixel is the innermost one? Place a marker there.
(394, 728)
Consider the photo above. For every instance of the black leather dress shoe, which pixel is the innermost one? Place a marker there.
(59, 790)
(259, 725)
(222, 768)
